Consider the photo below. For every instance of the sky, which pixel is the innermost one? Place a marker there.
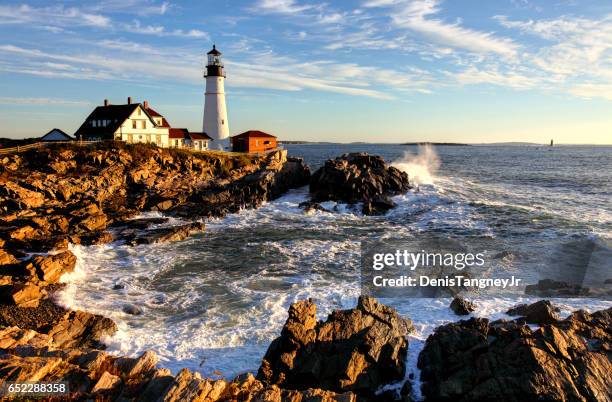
(365, 70)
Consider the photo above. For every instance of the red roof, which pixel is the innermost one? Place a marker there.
(178, 133)
(154, 113)
(254, 133)
(199, 136)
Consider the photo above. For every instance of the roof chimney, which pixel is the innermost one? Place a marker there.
(129, 100)
(146, 104)
(106, 102)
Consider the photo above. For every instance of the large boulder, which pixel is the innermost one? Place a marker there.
(541, 312)
(50, 268)
(476, 360)
(356, 350)
(359, 177)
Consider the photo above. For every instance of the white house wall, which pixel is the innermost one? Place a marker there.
(149, 134)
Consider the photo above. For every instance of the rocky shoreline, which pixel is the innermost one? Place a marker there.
(52, 197)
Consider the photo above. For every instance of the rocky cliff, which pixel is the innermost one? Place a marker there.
(63, 194)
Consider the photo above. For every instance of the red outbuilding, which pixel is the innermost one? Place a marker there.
(253, 141)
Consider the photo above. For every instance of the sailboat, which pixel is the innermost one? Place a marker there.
(551, 142)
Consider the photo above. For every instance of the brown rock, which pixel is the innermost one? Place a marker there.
(11, 337)
(541, 312)
(460, 306)
(107, 382)
(6, 258)
(567, 360)
(168, 234)
(81, 329)
(355, 350)
(25, 198)
(359, 177)
(50, 268)
(137, 367)
(24, 295)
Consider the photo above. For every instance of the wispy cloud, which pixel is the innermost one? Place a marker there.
(282, 6)
(57, 18)
(415, 15)
(4, 100)
(159, 30)
(270, 72)
(51, 15)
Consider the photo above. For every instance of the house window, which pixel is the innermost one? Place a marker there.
(93, 123)
(130, 138)
(256, 142)
(222, 121)
(139, 112)
(158, 139)
(133, 123)
(144, 124)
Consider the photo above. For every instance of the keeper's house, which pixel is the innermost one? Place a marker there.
(253, 141)
(132, 122)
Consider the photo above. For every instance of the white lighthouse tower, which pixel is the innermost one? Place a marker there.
(215, 112)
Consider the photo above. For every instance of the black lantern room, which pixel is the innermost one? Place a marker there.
(215, 64)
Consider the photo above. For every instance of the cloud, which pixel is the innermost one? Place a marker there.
(576, 50)
(5, 100)
(57, 18)
(492, 75)
(281, 6)
(413, 15)
(158, 30)
(269, 72)
(592, 90)
(51, 15)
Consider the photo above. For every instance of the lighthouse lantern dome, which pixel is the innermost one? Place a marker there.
(214, 57)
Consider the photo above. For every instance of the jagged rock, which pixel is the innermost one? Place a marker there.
(168, 234)
(355, 350)
(552, 288)
(81, 329)
(379, 205)
(541, 312)
(23, 197)
(106, 383)
(94, 238)
(50, 268)
(137, 367)
(359, 177)
(460, 306)
(12, 337)
(6, 258)
(24, 295)
(310, 206)
(504, 360)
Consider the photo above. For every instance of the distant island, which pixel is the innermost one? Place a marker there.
(451, 144)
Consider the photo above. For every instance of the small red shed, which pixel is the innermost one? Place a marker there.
(253, 141)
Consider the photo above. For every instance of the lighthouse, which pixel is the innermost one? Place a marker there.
(215, 112)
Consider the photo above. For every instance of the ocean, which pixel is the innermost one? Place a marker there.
(213, 302)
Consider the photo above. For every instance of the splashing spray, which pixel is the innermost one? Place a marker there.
(422, 167)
